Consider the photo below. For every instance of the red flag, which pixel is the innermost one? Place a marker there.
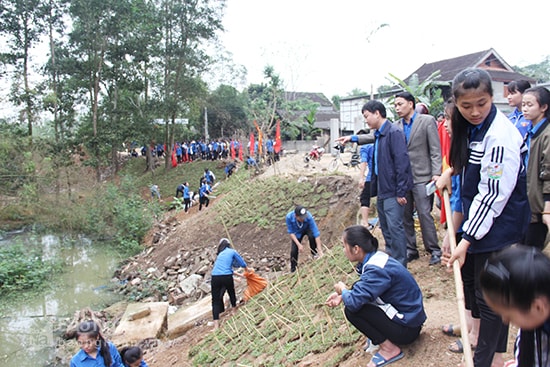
(278, 143)
(251, 147)
(240, 152)
(174, 159)
(445, 141)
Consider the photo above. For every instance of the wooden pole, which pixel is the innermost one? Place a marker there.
(468, 359)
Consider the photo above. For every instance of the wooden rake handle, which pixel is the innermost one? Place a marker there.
(468, 359)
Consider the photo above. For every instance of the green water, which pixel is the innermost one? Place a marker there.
(29, 327)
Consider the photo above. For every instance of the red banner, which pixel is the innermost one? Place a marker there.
(174, 159)
(278, 144)
(251, 147)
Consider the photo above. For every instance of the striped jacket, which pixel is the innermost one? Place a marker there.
(494, 190)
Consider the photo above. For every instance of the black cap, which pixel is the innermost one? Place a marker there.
(300, 211)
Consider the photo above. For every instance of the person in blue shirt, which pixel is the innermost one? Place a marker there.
(385, 304)
(299, 223)
(132, 357)
(204, 190)
(536, 107)
(95, 351)
(222, 277)
(366, 153)
(186, 196)
(209, 176)
(392, 175)
(180, 190)
(251, 163)
(155, 191)
(516, 88)
(230, 168)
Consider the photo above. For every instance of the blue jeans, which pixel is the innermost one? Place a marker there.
(390, 214)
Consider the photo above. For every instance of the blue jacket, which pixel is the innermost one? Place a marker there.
(301, 228)
(367, 152)
(226, 261)
(269, 145)
(83, 359)
(386, 283)
(204, 190)
(520, 122)
(394, 177)
(209, 176)
(186, 192)
(494, 188)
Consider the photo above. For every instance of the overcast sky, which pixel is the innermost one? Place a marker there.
(335, 46)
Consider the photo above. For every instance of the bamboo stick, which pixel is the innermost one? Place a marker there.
(468, 359)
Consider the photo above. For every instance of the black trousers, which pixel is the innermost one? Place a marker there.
(493, 334)
(187, 203)
(536, 235)
(203, 200)
(375, 324)
(294, 249)
(220, 284)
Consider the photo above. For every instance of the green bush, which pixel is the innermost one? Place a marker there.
(118, 212)
(22, 267)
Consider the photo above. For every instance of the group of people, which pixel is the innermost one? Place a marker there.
(403, 159)
(498, 175)
(205, 190)
(95, 350)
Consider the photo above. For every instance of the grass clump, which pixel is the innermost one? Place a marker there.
(245, 200)
(22, 267)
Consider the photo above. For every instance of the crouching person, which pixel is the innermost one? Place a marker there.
(385, 304)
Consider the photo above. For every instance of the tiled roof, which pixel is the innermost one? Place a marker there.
(312, 97)
(487, 59)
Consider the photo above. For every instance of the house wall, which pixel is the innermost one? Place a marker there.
(350, 113)
(305, 145)
(499, 97)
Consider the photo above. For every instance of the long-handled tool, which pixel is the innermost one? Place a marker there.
(468, 359)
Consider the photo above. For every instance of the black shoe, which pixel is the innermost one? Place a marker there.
(435, 259)
(412, 257)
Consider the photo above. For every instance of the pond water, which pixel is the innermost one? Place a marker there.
(29, 326)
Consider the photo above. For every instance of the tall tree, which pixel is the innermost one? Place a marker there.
(89, 39)
(21, 21)
(226, 111)
(187, 25)
(540, 71)
(54, 13)
(265, 99)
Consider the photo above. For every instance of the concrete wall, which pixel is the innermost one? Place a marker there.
(304, 145)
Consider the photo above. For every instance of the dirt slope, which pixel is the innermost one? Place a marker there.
(196, 230)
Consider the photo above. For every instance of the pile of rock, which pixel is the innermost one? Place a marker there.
(184, 277)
